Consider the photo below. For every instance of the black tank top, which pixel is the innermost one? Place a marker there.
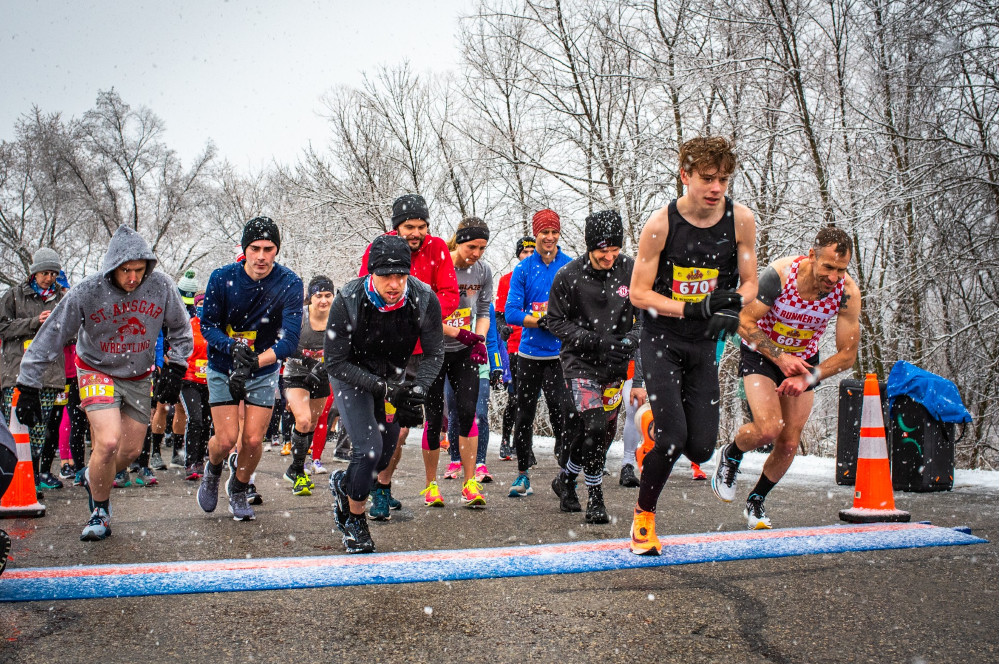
(694, 262)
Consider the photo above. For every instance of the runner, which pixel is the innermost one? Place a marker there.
(431, 263)
(115, 316)
(194, 400)
(251, 320)
(511, 335)
(307, 383)
(590, 313)
(375, 322)
(692, 255)
(779, 359)
(538, 367)
(23, 309)
(464, 352)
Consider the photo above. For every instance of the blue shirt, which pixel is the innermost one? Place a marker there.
(266, 313)
(529, 296)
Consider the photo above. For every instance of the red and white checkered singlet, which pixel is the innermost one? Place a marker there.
(794, 324)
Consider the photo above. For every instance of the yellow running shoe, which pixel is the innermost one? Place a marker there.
(472, 494)
(303, 486)
(432, 496)
(644, 539)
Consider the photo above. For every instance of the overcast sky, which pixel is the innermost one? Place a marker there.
(247, 75)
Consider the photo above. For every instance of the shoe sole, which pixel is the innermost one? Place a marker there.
(715, 480)
(387, 517)
(93, 537)
(436, 503)
(475, 503)
(598, 520)
(760, 525)
(303, 492)
(514, 493)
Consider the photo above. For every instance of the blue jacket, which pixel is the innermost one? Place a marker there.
(267, 312)
(529, 296)
(497, 351)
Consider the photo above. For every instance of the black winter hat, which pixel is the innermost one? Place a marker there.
(604, 229)
(389, 254)
(409, 206)
(320, 284)
(260, 228)
(526, 242)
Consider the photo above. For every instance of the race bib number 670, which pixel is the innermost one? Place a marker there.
(692, 284)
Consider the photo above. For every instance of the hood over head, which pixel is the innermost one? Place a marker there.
(127, 245)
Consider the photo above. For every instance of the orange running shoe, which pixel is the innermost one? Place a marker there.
(697, 473)
(644, 539)
(432, 496)
(472, 494)
(286, 449)
(644, 424)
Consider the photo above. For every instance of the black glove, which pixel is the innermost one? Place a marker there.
(722, 323)
(543, 323)
(616, 351)
(504, 330)
(29, 406)
(168, 385)
(244, 357)
(317, 376)
(406, 395)
(715, 301)
(238, 378)
(496, 379)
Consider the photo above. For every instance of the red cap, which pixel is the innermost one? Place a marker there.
(544, 219)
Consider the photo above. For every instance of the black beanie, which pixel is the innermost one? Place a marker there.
(320, 284)
(260, 228)
(526, 242)
(604, 229)
(409, 206)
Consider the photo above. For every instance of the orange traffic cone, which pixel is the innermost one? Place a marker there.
(20, 499)
(873, 501)
(644, 423)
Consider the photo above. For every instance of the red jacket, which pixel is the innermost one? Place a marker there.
(199, 356)
(503, 287)
(432, 265)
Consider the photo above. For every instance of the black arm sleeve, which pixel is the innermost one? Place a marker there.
(768, 286)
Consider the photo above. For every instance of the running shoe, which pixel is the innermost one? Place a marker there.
(253, 496)
(48, 481)
(483, 474)
(98, 527)
(505, 451)
(156, 461)
(357, 537)
(134, 467)
(380, 504)
(4, 549)
(454, 469)
(67, 471)
(78, 477)
(318, 468)
(472, 494)
(644, 539)
(208, 490)
(121, 480)
(596, 511)
(393, 503)
(177, 459)
(192, 473)
(239, 506)
(147, 477)
(286, 449)
(565, 488)
(627, 476)
(303, 486)
(697, 473)
(341, 506)
(754, 512)
(432, 496)
(520, 487)
(724, 478)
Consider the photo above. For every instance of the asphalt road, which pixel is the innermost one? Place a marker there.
(915, 605)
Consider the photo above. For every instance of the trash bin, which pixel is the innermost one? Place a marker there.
(923, 448)
(852, 392)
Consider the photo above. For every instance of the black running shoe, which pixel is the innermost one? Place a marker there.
(357, 538)
(596, 512)
(253, 497)
(341, 508)
(627, 476)
(566, 490)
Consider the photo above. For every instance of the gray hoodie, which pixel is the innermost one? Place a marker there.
(116, 331)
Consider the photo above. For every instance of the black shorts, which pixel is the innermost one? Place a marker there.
(299, 382)
(752, 362)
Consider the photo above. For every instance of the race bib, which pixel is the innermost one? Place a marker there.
(390, 412)
(62, 399)
(539, 309)
(248, 337)
(692, 284)
(313, 354)
(790, 339)
(612, 397)
(460, 318)
(199, 369)
(96, 388)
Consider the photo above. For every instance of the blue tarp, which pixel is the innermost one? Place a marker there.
(938, 395)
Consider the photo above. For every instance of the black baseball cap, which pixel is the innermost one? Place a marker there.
(389, 254)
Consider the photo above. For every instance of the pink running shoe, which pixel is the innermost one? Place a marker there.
(454, 469)
(483, 474)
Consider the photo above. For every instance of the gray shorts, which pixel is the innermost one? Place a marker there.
(99, 391)
(260, 389)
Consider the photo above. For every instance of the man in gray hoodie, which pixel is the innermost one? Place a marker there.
(116, 316)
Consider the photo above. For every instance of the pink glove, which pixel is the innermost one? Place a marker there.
(478, 353)
(467, 338)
